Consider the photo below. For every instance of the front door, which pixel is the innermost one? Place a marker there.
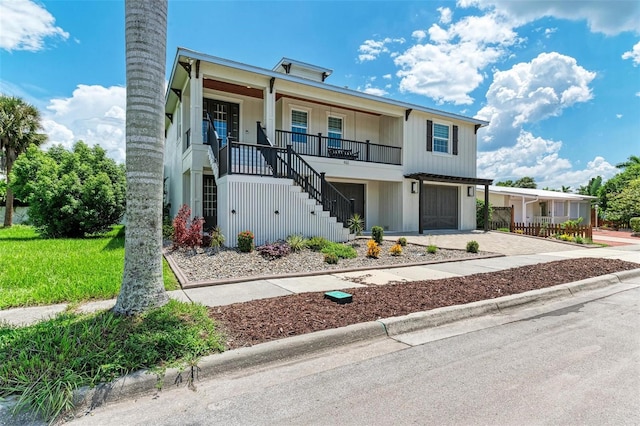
(225, 117)
(210, 202)
(353, 191)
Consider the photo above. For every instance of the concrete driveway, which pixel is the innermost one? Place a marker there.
(492, 241)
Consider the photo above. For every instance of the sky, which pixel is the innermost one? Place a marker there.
(559, 81)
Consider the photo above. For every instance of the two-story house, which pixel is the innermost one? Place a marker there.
(281, 152)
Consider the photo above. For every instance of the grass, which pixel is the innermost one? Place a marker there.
(37, 271)
(44, 363)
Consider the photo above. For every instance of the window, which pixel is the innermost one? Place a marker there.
(335, 132)
(299, 126)
(440, 138)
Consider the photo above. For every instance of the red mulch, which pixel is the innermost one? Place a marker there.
(257, 321)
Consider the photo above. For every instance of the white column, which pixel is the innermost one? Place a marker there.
(553, 211)
(195, 96)
(269, 119)
(524, 212)
(196, 193)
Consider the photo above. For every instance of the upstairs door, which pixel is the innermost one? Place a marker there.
(225, 117)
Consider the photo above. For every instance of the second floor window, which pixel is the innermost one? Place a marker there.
(335, 132)
(441, 138)
(299, 126)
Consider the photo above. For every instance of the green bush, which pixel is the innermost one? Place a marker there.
(402, 241)
(331, 258)
(480, 213)
(70, 193)
(343, 251)
(245, 241)
(472, 246)
(634, 222)
(431, 249)
(503, 229)
(317, 243)
(377, 233)
(296, 242)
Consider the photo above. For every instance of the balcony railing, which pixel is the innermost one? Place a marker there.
(345, 149)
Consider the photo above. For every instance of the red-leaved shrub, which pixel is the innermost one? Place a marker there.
(187, 233)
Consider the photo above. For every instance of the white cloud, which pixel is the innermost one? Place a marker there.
(633, 54)
(618, 115)
(466, 46)
(387, 76)
(445, 14)
(369, 89)
(25, 26)
(419, 34)
(549, 31)
(94, 114)
(371, 49)
(605, 16)
(539, 158)
(532, 91)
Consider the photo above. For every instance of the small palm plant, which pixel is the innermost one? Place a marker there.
(356, 224)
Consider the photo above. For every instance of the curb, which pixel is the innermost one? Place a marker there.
(147, 383)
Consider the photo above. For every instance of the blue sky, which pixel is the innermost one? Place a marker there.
(558, 80)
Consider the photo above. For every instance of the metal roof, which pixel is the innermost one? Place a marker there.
(539, 193)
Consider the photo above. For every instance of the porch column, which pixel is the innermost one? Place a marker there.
(195, 98)
(195, 199)
(553, 208)
(269, 119)
(486, 208)
(524, 211)
(420, 195)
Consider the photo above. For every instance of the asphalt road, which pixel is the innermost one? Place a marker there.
(567, 364)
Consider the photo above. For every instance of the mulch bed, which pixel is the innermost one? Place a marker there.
(258, 321)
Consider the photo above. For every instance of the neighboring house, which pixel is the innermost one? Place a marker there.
(281, 152)
(540, 206)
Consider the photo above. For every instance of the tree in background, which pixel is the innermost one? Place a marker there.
(145, 39)
(523, 182)
(625, 204)
(616, 184)
(19, 127)
(592, 188)
(633, 160)
(70, 193)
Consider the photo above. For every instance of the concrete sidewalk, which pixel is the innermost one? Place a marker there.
(260, 289)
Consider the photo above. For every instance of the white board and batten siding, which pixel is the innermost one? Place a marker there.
(256, 200)
(417, 159)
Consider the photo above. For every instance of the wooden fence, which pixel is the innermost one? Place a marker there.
(546, 230)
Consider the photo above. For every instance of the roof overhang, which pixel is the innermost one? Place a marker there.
(538, 193)
(185, 55)
(449, 179)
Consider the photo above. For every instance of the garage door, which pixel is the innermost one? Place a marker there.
(355, 191)
(440, 207)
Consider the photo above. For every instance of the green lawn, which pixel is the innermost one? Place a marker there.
(36, 271)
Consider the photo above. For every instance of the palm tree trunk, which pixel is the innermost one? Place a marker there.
(8, 213)
(145, 36)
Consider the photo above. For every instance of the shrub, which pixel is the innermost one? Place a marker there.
(70, 193)
(579, 239)
(331, 258)
(216, 239)
(402, 241)
(373, 249)
(472, 246)
(355, 224)
(634, 222)
(245, 241)
(564, 237)
(275, 250)
(395, 250)
(296, 242)
(503, 229)
(167, 231)
(343, 251)
(480, 213)
(431, 249)
(317, 243)
(187, 232)
(377, 233)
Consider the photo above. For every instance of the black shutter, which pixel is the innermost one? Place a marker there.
(429, 135)
(455, 140)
